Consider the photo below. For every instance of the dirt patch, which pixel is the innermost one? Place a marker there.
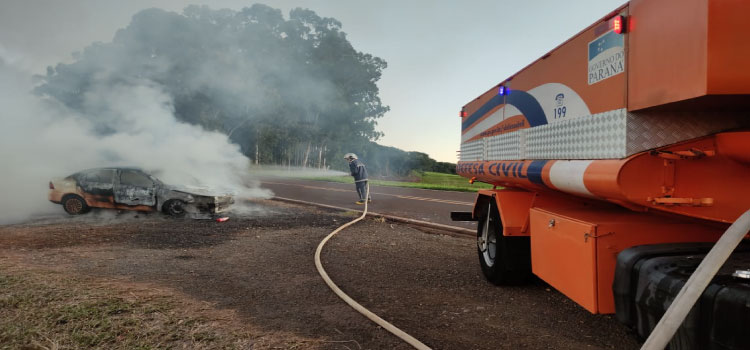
(260, 267)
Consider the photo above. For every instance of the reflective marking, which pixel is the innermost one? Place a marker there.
(567, 176)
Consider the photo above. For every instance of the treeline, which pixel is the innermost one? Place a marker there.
(287, 91)
(381, 161)
(390, 161)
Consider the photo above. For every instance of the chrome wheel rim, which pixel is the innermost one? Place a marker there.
(487, 241)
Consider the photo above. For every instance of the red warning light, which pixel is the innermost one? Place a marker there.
(618, 24)
(464, 114)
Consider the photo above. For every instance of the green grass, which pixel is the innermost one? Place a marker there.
(428, 180)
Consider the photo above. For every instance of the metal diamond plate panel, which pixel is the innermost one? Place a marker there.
(593, 137)
(504, 146)
(648, 130)
(472, 151)
(610, 135)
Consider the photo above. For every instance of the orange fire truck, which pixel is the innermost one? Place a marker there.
(618, 158)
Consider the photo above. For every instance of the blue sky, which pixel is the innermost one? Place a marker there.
(440, 54)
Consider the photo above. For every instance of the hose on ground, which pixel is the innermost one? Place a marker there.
(697, 283)
(355, 305)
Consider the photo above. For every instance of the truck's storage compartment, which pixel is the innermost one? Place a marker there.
(575, 249)
(685, 49)
(719, 320)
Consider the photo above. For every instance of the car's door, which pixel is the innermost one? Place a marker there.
(97, 185)
(134, 187)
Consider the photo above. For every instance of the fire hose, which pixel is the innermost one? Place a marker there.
(355, 305)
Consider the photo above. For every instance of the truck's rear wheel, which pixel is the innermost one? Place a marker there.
(504, 260)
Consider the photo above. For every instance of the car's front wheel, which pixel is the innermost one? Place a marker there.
(74, 205)
(174, 207)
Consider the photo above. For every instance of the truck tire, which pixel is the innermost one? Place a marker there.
(74, 205)
(504, 260)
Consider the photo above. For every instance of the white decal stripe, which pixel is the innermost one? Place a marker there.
(493, 119)
(567, 176)
(483, 125)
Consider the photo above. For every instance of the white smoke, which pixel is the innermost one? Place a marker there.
(272, 171)
(40, 139)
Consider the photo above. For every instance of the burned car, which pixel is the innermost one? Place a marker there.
(131, 189)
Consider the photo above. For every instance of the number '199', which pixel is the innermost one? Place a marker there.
(559, 112)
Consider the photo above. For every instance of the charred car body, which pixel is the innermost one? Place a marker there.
(131, 189)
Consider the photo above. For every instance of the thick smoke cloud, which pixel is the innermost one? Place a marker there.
(41, 139)
(289, 91)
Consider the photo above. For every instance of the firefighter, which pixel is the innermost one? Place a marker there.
(358, 171)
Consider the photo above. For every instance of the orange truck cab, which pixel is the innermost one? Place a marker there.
(631, 140)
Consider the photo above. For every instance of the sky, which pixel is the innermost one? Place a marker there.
(440, 54)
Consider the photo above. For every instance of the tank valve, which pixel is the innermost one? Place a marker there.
(744, 274)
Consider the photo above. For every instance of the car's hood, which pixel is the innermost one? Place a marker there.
(199, 190)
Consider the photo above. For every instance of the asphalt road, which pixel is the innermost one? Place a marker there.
(417, 204)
